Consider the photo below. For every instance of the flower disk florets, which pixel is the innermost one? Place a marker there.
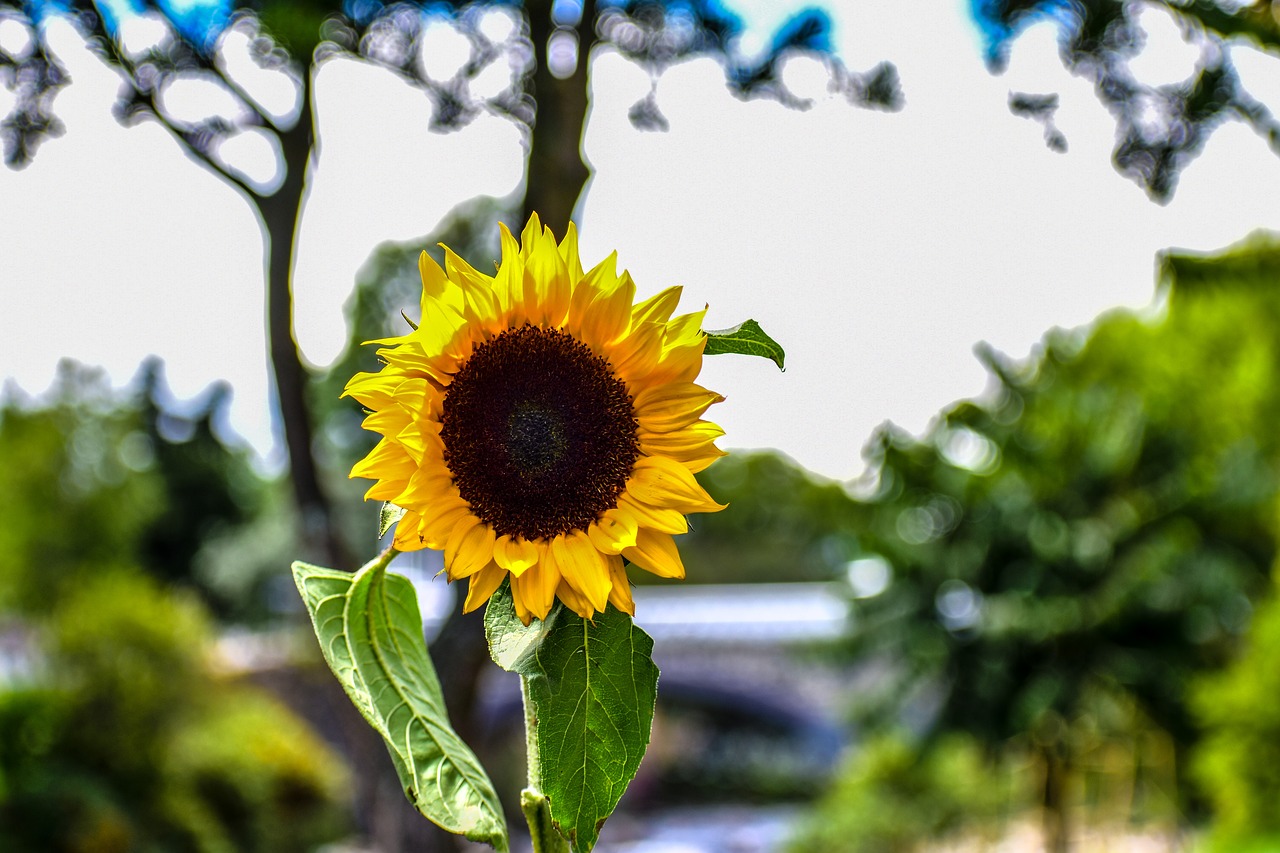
(539, 434)
(538, 425)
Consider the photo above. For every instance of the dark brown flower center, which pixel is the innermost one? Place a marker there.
(539, 434)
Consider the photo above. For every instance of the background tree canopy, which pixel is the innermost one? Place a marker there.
(1095, 529)
(1160, 128)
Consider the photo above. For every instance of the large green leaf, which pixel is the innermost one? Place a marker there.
(370, 630)
(324, 591)
(746, 338)
(592, 686)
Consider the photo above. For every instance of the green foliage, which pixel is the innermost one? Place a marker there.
(746, 338)
(128, 742)
(784, 525)
(590, 688)
(92, 478)
(1096, 525)
(69, 494)
(1237, 764)
(894, 796)
(122, 738)
(370, 630)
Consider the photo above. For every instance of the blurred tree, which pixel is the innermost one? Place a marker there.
(893, 796)
(124, 740)
(786, 525)
(118, 733)
(1097, 525)
(199, 41)
(92, 479)
(1160, 128)
(1237, 765)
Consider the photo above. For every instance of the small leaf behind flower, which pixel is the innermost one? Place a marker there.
(387, 516)
(746, 338)
(593, 685)
(512, 644)
(370, 630)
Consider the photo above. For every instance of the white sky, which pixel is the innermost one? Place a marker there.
(878, 248)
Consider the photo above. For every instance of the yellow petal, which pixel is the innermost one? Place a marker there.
(387, 455)
(701, 461)
(657, 308)
(508, 284)
(469, 547)
(440, 322)
(480, 301)
(569, 253)
(522, 610)
(574, 600)
(655, 518)
(546, 284)
(406, 537)
(435, 284)
(682, 346)
(373, 390)
(692, 446)
(529, 236)
(537, 587)
(663, 408)
(656, 553)
(427, 487)
(411, 439)
(515, 555)
(635, 355)
(385, 490)
(609, 314)
(410, 359)
(604, 277)
(582, 566)
(614, 531)
(411, 395)
(691, 438)
(685, 329)
(388, 421)
(662, 482)
(620, 592)
(483, 584)
(439, 519)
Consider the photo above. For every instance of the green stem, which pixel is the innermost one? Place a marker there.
(379, 562)
(535, 806)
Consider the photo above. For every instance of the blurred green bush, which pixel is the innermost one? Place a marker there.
(1089, 535)
(119, 734)
(1237, 765)
(126, 740)
(894, 795)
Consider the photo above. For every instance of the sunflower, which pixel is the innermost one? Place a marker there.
(538, 425)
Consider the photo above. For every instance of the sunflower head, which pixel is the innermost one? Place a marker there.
(538, 424)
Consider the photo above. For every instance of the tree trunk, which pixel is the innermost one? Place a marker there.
(281, 213)
(383, 814)
(1057, 834)
(556, 173)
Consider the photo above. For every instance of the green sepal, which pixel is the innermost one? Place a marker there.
(592, 685)
(388, 516)
(746, 338)
(370, 631)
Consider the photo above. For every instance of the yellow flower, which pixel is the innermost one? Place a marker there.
(538, 425)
